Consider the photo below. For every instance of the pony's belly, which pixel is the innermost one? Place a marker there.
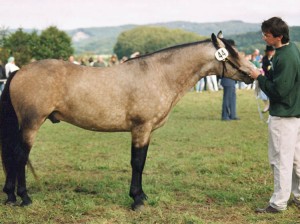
(102, 127)
(94, 123)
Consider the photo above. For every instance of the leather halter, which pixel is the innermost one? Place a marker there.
(229, 62)
(233, 65)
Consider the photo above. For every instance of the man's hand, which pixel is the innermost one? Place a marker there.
(255, 73)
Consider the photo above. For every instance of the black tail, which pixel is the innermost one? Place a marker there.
(10, 134)
(9, 128)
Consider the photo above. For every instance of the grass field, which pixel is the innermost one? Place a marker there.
(199, 170)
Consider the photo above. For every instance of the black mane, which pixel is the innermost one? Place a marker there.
(170, 48)
(226, 42)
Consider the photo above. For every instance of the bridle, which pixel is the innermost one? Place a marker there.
(222, 56)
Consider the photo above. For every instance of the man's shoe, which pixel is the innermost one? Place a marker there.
(297, 202)
(265, 110)
(235, 118)
(268, 209)
(226, 119)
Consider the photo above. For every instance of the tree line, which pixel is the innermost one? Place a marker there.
(25, 47)
(147, 39)
(57, 44)
(54, 43)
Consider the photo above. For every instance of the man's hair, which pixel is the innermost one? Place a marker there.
(277, 27)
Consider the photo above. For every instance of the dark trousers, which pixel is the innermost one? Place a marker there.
(229, 103)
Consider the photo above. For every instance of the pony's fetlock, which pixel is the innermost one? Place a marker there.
(9, 189)
(143, 196)
(138, 203)
(24, 196)
(138, 200)
(137, 192)
(22, 192)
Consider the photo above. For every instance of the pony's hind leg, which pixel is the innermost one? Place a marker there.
(15, 171)
(9, 139)
(21, 178)
(28, 136)
(10, 182)
(14, 163)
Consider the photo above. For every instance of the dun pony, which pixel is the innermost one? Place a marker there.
(135, 97)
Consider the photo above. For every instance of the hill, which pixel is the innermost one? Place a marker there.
(96, 40)
(102, 39)
(229, 27)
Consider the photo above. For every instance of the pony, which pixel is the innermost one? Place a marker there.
(136, 96)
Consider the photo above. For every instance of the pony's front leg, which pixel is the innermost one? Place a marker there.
(138, 158)
(15, 169)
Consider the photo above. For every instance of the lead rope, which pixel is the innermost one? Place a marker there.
(224, 68)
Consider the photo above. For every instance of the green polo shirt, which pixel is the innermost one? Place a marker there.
(284, 88)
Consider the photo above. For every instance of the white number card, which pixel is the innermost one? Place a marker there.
(221, 54)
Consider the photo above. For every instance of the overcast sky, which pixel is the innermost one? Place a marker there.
(70, 14)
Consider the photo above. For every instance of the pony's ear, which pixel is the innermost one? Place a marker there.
(220, 34)
(214, 40)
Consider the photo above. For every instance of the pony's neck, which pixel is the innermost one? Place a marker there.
(186, 66)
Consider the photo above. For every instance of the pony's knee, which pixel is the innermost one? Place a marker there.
(138, 158)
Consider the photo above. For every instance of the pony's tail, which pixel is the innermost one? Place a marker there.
(36, 177)
(10, 134)
(9, 127)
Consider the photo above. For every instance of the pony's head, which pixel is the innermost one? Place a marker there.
(232, 63)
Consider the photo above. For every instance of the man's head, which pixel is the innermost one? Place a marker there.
(11, 60)
(275, 27)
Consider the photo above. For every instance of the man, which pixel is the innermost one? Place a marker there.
(229, 100)
(10, 67)
(229, 97)
(72, 60)
(2, 76)
(283, 90)
(100, 62)
(266, 67)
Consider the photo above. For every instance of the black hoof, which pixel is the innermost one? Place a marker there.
(11, 200)
(10, 203)
(26, 201)
(138, 203)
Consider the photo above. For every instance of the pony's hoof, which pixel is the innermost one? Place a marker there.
(137, 206)
(138, 203)
(10, 203)
(11, 200)
(25, 202)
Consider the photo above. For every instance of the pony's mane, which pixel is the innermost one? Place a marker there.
(228, 46)
(170, 48)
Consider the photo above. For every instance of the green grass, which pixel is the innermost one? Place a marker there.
(199, 170)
